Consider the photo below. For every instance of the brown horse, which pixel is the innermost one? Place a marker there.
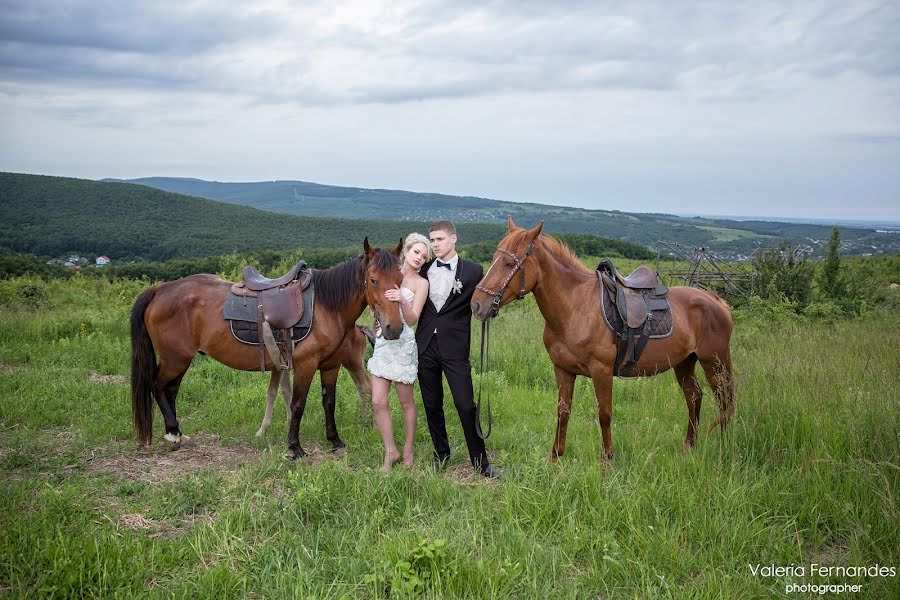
(579, 342)
(350, 355)
(179, 318)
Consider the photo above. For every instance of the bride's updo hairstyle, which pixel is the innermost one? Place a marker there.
(417, 238)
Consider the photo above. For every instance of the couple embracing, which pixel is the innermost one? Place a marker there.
(434, 296)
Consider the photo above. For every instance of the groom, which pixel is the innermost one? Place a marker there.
(443, 335)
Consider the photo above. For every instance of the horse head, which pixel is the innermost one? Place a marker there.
(382, 272)
(500, 285)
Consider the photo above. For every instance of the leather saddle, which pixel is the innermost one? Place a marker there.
(280, 308)
(635, 298)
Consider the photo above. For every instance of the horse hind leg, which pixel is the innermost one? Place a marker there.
(693, 396)
(168, 381)
(363, 385)
(271, 394)
(720, 375)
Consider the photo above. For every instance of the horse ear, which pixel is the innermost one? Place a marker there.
(532, 234)
(509, 223)
(399, 249)
(368, 249)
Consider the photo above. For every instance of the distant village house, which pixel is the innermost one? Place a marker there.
(102, 261)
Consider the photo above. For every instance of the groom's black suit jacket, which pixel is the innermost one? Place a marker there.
(453, 322)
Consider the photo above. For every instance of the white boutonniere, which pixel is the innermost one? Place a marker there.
(457, 287)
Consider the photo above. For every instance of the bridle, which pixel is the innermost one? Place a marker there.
(519, 265)
(485, 360)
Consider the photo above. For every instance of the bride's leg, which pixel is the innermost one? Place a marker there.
(380, 391)
(408, 404)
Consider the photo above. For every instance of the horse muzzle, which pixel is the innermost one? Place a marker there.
(484, 311)
(391, 332)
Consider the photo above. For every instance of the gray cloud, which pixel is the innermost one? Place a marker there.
(320, 55)
(511, 99)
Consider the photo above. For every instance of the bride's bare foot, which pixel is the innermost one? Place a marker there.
(390, 459)
(407, 458)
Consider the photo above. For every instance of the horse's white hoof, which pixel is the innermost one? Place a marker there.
(178, 441)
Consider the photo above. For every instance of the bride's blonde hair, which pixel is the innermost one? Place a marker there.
(416, 238)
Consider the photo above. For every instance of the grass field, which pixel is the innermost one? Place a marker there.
(808, 473)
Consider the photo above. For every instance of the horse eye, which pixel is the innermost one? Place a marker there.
(374, 282)
(509, 263)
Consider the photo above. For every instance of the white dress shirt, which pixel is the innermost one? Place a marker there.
(440, 281)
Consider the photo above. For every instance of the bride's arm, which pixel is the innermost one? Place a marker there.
(412, 310)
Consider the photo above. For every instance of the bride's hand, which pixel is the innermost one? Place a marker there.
(393, 295)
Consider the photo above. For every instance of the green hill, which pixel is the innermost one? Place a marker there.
(56, 216)
(729, 238)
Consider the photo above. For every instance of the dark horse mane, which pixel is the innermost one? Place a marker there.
(337, 286)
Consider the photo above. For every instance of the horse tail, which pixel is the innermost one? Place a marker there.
(725, 398)
(143, 370)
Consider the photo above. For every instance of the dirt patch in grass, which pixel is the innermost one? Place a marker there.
(5, 368)
(832, 553)
(163, 463)
(95, 377)
(157, 528)
(464, 474)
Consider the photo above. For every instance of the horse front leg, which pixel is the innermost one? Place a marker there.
(303, 376)
(602, 379)
(271, 394)
(329, 385)
(565, 383)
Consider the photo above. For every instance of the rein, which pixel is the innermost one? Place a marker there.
(484, 362)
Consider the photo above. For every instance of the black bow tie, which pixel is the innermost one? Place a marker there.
(443, 264)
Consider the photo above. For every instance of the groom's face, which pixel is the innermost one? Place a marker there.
(443, 243)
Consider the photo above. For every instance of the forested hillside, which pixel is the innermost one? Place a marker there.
(729, 238)
(52, 216)
(56, 216)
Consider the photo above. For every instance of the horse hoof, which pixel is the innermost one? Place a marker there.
(177, 441)
(297, 453)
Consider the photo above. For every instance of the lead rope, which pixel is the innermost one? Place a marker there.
(484, 366)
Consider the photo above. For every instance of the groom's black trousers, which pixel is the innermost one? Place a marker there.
(459, 377)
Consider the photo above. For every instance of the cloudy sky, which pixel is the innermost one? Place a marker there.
(780, 108)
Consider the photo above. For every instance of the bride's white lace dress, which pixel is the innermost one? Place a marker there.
(397, 360)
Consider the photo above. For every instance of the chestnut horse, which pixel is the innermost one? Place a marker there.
(350, 356)
(579, 342)
(177, 319)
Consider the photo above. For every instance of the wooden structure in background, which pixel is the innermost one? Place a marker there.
(705, 270)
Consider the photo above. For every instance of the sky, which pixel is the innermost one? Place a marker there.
(755, 108)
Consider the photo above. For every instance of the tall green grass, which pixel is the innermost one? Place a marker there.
(808, 472)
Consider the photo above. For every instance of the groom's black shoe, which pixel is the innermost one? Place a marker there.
(439, 463)
(492, 472)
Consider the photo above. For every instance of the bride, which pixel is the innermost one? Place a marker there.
(397, 360)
